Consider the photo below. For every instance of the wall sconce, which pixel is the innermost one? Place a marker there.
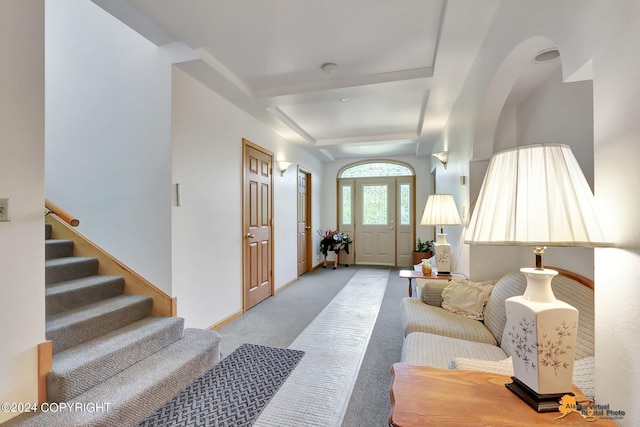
(283, 165)
(443, 156)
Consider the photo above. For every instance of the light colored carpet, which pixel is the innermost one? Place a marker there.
(334, 345)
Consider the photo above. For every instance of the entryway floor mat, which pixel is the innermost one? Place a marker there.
(232, 393)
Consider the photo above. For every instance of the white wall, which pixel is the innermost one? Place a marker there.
(588, 34)
(560, 112)
(555, 112)
(207, 227)
(507, 130)
(108, 124)
(21, 180)
(109, 161)
(616, 93)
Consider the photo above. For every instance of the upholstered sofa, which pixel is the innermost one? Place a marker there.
(442, 337)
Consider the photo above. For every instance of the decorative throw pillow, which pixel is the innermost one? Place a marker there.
(467, 298)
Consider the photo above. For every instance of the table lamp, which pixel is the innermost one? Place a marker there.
(537, 195)
(440, 211)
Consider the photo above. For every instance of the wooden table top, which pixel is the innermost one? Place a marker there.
(424, 396)
(414, 274)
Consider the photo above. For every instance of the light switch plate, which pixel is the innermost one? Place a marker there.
(4, 210)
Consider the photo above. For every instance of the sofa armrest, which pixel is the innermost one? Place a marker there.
(430, 291)
(500, 367)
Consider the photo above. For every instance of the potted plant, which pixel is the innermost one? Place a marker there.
(424, 249)
(334, 241)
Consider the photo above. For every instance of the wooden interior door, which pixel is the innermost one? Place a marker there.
(257, 225)
(304, 222)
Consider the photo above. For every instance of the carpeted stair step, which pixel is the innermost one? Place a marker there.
(81, 324)
(139, 390)
(58, 248)
(79, 368)
(71, 294)
(62, 269)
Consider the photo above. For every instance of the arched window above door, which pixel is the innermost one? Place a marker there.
(376, 169)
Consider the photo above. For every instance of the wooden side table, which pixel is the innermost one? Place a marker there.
(413, 274)
(337, 249)
(423, 396)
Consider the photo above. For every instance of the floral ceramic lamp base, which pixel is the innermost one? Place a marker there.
(442, 252)
(542, 334)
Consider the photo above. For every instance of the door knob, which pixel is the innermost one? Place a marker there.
(250, 236)
(308, 227)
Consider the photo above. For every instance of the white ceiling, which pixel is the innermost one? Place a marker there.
(401, 64)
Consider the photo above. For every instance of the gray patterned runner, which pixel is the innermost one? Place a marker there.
(232, 393)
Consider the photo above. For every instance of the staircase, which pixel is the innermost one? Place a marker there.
(108, 348)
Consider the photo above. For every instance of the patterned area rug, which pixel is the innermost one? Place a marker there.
(232, 393)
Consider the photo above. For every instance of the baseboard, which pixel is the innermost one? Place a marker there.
(226, 320)
(174, 307)
(45, 358)
(286, 285)
(237, 314)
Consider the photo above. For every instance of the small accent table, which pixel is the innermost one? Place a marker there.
(423, 396)
(336, 260)
(413, 274)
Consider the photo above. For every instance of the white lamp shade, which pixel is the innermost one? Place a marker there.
(536, 195)
(440, 210)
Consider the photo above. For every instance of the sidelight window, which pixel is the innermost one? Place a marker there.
(346, 205)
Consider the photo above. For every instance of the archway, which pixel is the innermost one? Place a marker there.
(502, 85)
(521, 107)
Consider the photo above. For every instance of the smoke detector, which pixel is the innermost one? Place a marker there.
(547, 55)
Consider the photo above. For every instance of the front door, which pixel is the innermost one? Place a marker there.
(304, 222)
(375, 240)
(257, 214)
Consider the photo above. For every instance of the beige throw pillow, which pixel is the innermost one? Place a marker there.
(467, 298)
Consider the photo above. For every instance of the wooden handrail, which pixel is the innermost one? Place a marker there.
(64, 215)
